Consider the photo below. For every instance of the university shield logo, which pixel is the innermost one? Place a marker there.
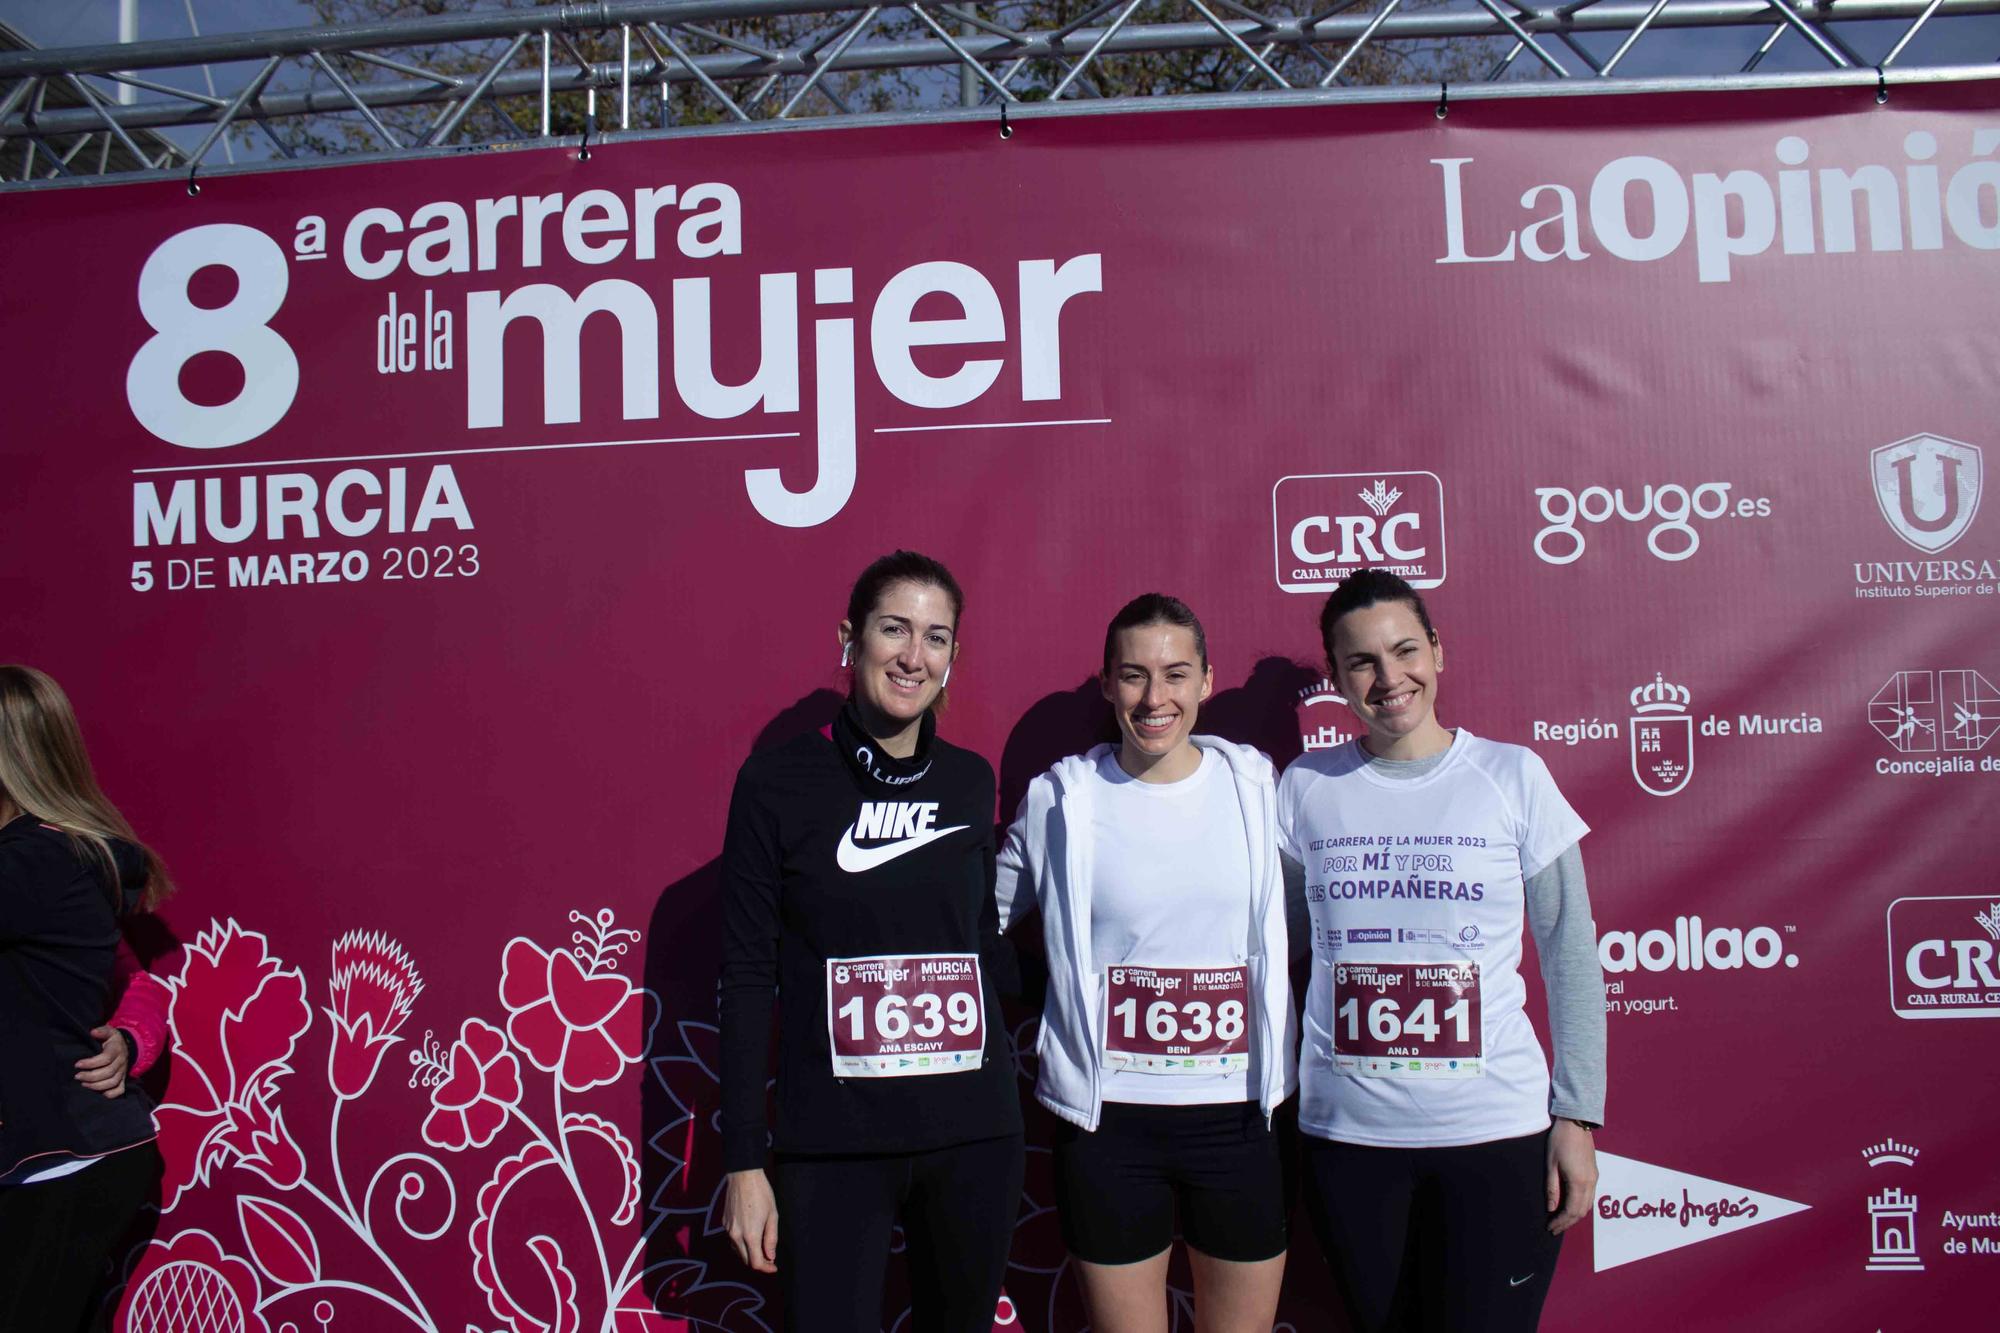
(1662, 737)
(1928, 488)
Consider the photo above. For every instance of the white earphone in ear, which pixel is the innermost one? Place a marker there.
(847, 654)
(946, 682)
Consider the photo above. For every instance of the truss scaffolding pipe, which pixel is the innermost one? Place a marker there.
(738, 75)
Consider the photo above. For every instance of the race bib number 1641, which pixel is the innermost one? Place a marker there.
(1407, 1020)
(890, 1017)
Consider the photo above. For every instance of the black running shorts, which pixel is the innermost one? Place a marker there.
(1219, 1171)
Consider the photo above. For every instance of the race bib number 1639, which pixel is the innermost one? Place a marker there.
(896, 1017)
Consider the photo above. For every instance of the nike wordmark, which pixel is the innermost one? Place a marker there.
(909, 822)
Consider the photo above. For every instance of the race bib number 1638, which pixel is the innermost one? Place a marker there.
(896, 1017)
(1177, 1020)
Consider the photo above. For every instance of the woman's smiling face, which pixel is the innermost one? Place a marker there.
(1387, 668)
(901, 652)
(1155, 683)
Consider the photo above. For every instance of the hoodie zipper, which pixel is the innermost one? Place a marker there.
(1273, 1058)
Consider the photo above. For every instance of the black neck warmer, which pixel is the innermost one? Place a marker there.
(866, 757)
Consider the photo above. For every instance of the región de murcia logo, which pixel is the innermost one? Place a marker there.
(1662, 737)
(1662, 732)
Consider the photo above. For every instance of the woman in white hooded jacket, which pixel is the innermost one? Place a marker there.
(1168, 1042)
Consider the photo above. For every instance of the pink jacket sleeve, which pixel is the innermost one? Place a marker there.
(142, 1008)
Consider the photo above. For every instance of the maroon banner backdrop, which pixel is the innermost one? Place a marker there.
(425, 544)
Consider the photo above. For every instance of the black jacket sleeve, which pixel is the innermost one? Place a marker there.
(750, 927)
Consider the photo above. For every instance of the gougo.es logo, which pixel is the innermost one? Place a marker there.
(1673, 507)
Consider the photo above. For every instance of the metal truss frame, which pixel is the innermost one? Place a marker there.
(510, 62)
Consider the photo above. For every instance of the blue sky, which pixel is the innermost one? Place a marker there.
(82, 22)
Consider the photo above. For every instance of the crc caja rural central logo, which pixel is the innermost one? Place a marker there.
(1324, 527)
(1944, 957)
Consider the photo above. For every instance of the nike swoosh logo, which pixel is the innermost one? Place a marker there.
(854, 859)
(1517, 1281)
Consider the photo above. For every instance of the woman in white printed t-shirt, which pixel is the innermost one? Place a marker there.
(1441, 1164)
(1168, 1041)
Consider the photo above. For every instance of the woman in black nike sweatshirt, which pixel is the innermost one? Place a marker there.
(75, 1165)
(857, 879)
(858, 884)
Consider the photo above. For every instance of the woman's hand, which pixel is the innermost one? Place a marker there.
(105, 1071)
(1572, 1178)
(750, 1215)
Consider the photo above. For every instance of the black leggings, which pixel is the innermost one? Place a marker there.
(1443, 1240)
(56, 1236)
(835, 1215)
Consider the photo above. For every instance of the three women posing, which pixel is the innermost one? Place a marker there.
(860, 877)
